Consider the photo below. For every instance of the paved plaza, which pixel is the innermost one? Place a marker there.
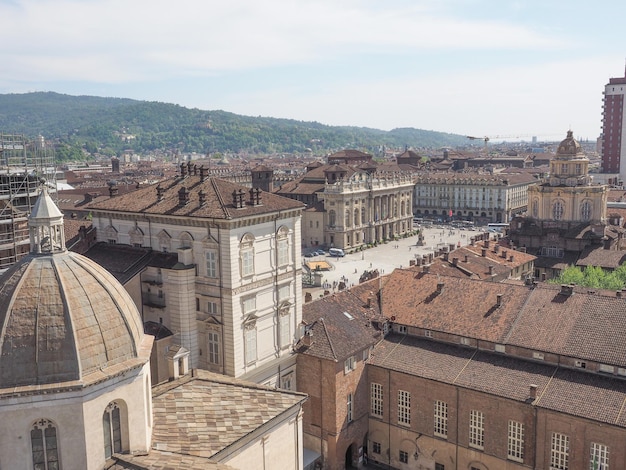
(387, 256)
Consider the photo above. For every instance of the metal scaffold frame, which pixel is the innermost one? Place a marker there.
(23, 165)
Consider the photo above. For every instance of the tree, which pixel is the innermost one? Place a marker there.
(594, 277)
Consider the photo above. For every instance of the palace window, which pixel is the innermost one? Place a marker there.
(246, 248)
(515, 449)
(211, 263)
(214, 347)
(477, 429)
(376, 396)
(403, 456)
(282, 244)
(404, 407)
(441, 419)
(599, 457)
(559, 452)
(585, 210)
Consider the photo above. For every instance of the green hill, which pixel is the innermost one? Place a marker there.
(110, 125)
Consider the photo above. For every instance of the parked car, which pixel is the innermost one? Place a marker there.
(320, 252)
(309, 255)
(336, 252)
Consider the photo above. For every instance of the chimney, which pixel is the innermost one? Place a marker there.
(445, 256)
(522, 249)
(532, 392)
(183, 170)
(203, 173)
(183, 196)
(307, 339)
(499, 300)
(511, 258)
(440, 287)
(370, 300)
(426, 269)
(496, 248)
(189, 168)
(455, 261)
(466, 258)
(451, 247)
(491, 270)
(160, 192)
(201, 198)
(567, 289)
(484, 252)
(504, 253)
(487, 243)
(195, 170)
(618, 294)
(113, 188)
(238, 199)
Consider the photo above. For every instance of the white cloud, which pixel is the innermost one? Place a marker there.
(117, 40)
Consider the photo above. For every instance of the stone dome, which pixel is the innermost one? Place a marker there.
(63, 318)
(569, 146)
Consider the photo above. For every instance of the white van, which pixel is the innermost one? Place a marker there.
(336, 252)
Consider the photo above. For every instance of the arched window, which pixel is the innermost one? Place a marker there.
(332, 218)
(246, 254)
(363, 219)
(282, 245)
(44, 445)
(356, 217)
(348, 218)
(185, 240)
(402, 209)
(558, 208)
(112, 429)
(535, 208)
(586, 210)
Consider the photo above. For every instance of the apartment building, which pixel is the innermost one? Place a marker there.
(613, 144)
(477, 196)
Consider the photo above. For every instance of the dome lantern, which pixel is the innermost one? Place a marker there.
(46, 226)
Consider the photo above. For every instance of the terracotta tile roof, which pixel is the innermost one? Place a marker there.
(300, 187)
(203, 415)
(586, 326)
(598, 256)
(341, 324)
(158, 460)
(218, 200)
(465, 307)
(590, 396)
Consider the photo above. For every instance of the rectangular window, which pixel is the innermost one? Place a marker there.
(283, 293)
(404, 407)
(349, 407)
(441, 419)
(376, 396)
(214, 347)
(402, 329)
(284, 331)
(250, 346)
(403, 457)
(376, 447)
(477, 429)
(516, 441)
(559, 454)
(428, 333)
(599, 457)
(211, 263)
(249, 305)
(366, 354)
(212, 308)
(283, 252)
(247, 263)
(349, 365)
(285, 381)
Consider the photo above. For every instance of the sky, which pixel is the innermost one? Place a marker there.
(485, 68)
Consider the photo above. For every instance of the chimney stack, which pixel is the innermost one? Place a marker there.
(504, 253)
(440, 287)
(203, 173)
(499, 300)
(491, 270)
(455, 261)
(511, 258)
(466, 258)
(533, 392)
(426, 269)
(160, 192)
(183, 170)
(484, 252)
(201, 198)
(496, 248)
(567, 289)
(183, 196)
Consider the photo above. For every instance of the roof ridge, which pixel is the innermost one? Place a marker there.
(218, 194)
(330, 343)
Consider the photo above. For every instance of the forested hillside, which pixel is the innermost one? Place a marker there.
(110, 125)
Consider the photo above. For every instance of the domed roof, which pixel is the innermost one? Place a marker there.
(63, 317)
(569, 146)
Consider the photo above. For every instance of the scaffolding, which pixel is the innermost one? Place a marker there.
(24, 166)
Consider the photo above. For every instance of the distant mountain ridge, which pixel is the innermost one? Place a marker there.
(110, 125)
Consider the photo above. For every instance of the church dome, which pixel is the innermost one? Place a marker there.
(64, 318)
(569, 146)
